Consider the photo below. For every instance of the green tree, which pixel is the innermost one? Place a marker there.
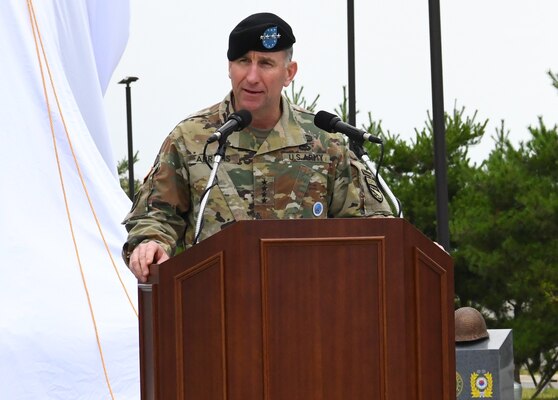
(408, 168)
(297, 98)
(122, 169)
(505, 225)
(554, 78)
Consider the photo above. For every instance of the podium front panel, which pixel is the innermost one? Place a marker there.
(323, 318)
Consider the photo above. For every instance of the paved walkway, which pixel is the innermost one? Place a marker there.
(527, 382)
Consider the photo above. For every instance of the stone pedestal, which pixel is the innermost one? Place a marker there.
(485, 367)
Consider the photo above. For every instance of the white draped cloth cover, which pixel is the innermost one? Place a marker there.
(68, 304)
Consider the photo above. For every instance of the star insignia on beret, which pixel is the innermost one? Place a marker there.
(272, 36)
(269, 37)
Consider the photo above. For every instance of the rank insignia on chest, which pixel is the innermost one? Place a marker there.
(264, 191)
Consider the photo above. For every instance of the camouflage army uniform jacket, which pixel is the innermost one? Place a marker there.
(299, 171)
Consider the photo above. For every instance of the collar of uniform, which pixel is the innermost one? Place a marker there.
(286, 133)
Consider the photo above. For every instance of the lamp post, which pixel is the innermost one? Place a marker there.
(126, 81)
(351, 63)
(440, 162)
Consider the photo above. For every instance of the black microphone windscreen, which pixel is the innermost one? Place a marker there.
(244, 118)
(323, 120)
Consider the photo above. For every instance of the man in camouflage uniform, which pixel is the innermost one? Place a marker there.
(281, 167)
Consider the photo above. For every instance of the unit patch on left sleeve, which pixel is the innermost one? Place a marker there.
(372, 186)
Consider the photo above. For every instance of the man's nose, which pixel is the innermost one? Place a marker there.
(253, 75)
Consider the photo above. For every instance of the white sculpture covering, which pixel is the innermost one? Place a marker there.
(68, 319)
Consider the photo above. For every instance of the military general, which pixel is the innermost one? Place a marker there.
(279, 167)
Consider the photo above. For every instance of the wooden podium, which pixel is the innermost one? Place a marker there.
(301, 309)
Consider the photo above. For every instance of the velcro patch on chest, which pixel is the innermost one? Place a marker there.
(198, 158)
(310, 157)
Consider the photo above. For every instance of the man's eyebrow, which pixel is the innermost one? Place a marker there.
(267, 59)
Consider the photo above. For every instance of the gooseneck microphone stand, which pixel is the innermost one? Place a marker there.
(219, 155)
(358, 149)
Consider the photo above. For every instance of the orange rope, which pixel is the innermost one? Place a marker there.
(36, 32)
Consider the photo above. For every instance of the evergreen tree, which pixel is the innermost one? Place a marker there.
(122, 169)
(506, 227)
(408, 168)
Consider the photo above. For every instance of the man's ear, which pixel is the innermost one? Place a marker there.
(292, 67)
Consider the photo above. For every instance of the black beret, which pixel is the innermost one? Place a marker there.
(259, 32)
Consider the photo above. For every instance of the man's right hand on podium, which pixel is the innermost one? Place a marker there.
(143, 256)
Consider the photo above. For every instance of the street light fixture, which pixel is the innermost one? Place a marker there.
(127, 81)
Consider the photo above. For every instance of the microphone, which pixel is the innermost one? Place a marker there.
(332, 123)
(236, 122)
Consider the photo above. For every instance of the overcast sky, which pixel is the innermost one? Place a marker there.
(496, 54)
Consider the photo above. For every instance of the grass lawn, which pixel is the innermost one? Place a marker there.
(551, 394)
